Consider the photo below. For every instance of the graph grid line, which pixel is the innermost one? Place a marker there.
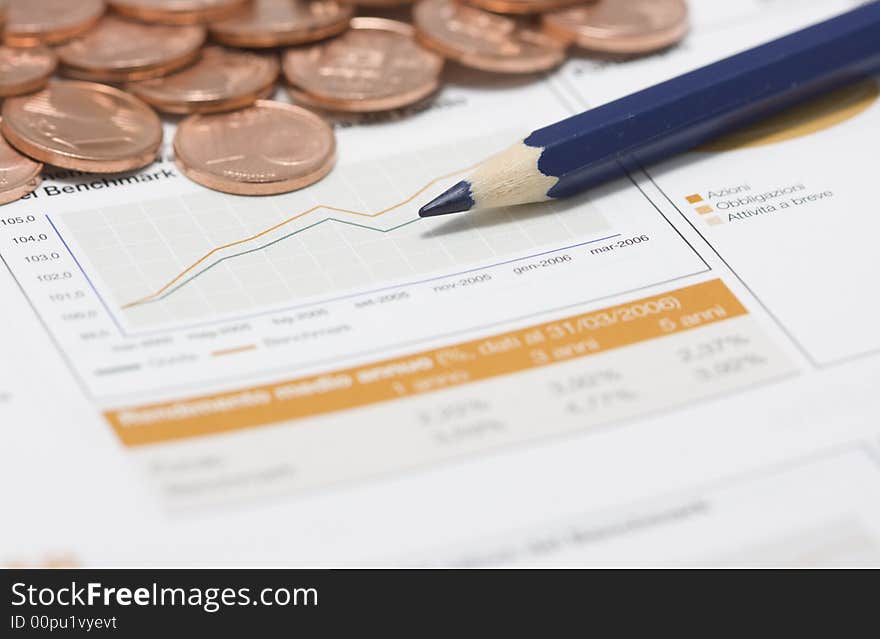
(182, 282)
(181, 278)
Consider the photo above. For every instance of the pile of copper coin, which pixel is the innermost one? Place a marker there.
(83, 81)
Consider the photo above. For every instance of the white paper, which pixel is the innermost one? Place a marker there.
(734, 437)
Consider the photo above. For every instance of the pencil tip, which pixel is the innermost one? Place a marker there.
(454, 200)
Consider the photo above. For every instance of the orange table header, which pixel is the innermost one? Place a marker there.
(503, 354)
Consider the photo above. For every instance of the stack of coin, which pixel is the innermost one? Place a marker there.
(629, 28)
(126, 58)
(269, 147)
(525, 36)
(514, 7)
(121, 50)
(222, 80)
(19, 175)
(282, 23)
(83, 126)
(23, 70)
(177, 11)
(30, 22)
(485, 41)
(376, 65)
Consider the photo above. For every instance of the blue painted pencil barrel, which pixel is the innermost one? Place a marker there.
(683, 112)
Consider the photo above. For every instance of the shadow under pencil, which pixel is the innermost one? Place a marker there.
(510, 215)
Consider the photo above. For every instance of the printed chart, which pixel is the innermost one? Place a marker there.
(207, 255)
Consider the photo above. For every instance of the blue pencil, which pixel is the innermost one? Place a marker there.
(584, 150)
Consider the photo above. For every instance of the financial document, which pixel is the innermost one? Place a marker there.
(678, 368)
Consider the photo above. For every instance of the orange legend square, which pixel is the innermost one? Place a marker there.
(702, 210)
(714, 221)
(694, 198)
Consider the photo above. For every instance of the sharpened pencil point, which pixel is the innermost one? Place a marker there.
(454, 200)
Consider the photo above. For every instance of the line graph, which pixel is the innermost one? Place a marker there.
(197, 255)
(169, 286)
(177, 282)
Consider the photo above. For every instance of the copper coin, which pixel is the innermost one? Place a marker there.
(351, 118)
(267, 148)
(382, 4)
(221, 80)
(83, 126)
(634, 26)
(483, 40)
(177, 11)
(19, 175)
(274, 23)
(120, 50)
(374, 66)
(24, 70)
(335, 114)
(30, 22)
(524, 6)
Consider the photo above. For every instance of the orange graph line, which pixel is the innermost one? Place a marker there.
(232, 351)
(327, 207)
